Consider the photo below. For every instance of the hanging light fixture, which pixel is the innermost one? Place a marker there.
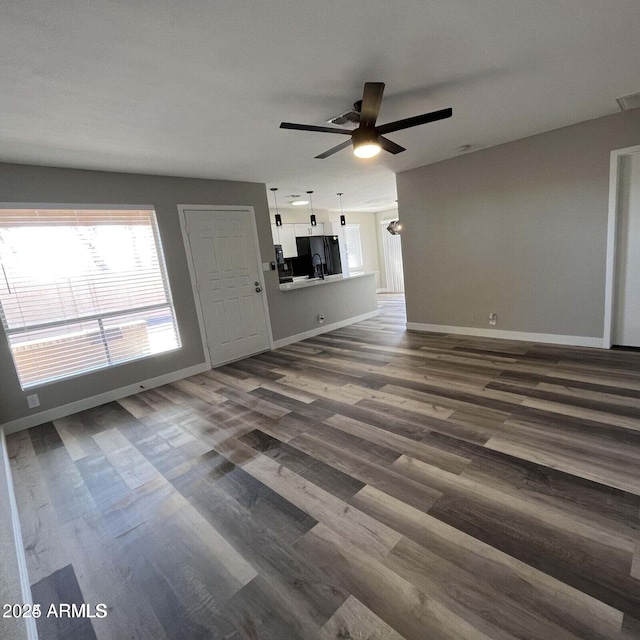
(366, 142)
(312, 217)
(395, 228)
(278, 217)
(343, 220)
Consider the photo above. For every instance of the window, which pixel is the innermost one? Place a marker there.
(354, 248)
(82, 290)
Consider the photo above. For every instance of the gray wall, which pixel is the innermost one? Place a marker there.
(41, 185)
(337, 301)
(28, 184)
(518, 229)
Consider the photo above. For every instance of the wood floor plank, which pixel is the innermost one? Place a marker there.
(635, 565)
(295, 577)
(354, 620)
(75, 437)
(587, 501)
(324, 507)
(176, 616)
(562, 408)
(94, 552)
(443, 459)
(588, 399)
(591, 464)
(41, 530)
(45, 438)
(402, 606)
(547, 513)
(65, 486)
(539, 592)
(257, 612)
(415, 493)
(571, 559)
(61, 587)
(483, 606)
(130, 464)
(323, 475)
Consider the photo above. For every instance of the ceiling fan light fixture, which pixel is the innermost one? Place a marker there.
(367, 150)
(365, 143)
(368, 139)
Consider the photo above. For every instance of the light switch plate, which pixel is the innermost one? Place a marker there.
(33, 401)
(266, 266)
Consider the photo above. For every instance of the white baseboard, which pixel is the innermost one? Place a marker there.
(547, 338)
(324, 329)
(88, 403)
(31, 632)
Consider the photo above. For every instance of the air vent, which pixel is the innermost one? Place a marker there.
(349, 119)
(632, 101)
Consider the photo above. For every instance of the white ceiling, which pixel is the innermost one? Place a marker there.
(198, 88)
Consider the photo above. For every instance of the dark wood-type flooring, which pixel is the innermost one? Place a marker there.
(369, 483)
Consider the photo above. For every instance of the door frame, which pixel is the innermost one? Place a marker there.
(182, 208)
(612, 240)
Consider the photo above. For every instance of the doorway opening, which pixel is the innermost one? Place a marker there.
(622, 298)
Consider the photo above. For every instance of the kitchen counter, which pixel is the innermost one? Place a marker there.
(302, 283)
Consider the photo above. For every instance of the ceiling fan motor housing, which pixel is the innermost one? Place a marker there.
(365, 135)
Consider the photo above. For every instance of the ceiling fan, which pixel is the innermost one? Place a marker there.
(368, 139)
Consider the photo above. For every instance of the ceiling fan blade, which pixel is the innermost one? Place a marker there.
(390, 146)
(330, 152)
(312, 127)
(371, 99)
(415, 121)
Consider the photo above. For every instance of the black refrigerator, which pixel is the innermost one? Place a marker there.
(314, 251)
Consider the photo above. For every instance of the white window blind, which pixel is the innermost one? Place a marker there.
(82, 290)
(392, 247)
(354, 247)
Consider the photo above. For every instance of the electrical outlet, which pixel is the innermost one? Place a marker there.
(493, 318)
(33, 401)
(321, 318)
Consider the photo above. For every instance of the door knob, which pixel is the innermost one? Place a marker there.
(258, 289)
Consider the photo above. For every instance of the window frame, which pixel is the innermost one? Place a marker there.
(99, 318)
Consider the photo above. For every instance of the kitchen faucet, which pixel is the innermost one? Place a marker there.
(314, 266)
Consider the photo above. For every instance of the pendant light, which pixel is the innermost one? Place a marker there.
(275, 200)
(312, 218)
(343, 220)
(395, 228)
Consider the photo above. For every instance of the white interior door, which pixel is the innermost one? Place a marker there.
(225, 262)
(392, 248)
(626, 327)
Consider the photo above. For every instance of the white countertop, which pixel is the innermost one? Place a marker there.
(301, 283)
